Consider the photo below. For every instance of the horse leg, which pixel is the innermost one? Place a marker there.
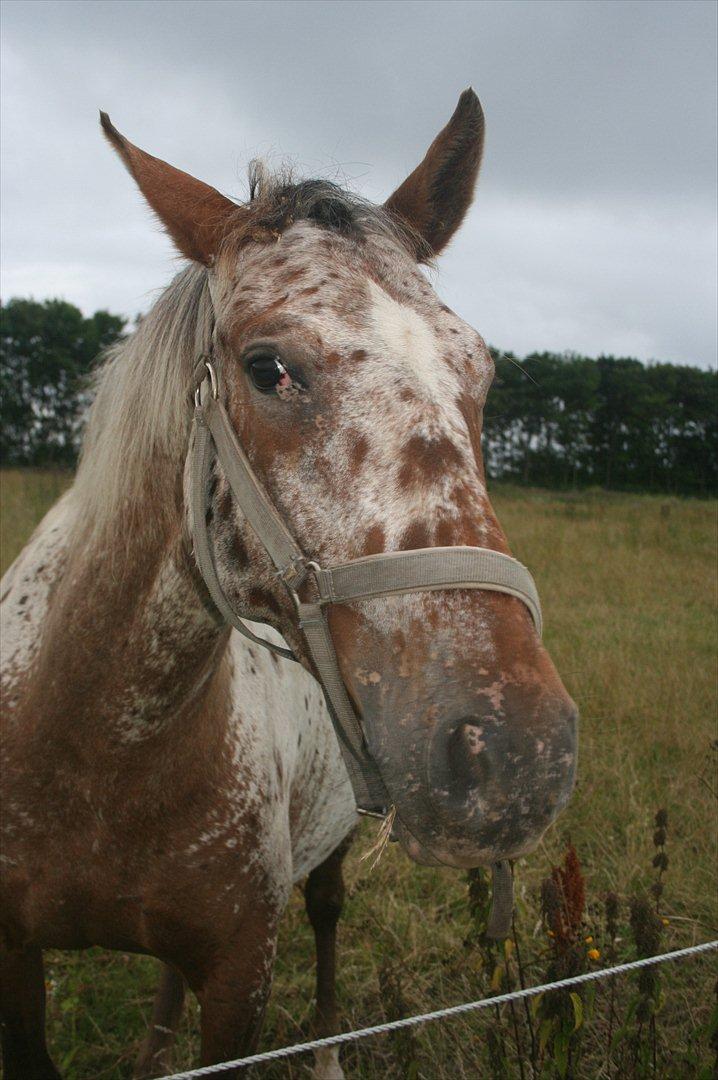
(154, 1058)
(233, 996)
(324, 898)
(22, 1012)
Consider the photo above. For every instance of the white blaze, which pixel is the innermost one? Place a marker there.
(407, 339)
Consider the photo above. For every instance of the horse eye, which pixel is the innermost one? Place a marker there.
(266, 372)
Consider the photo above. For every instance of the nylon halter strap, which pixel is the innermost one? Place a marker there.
(388, 574)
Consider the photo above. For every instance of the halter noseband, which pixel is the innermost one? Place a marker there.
(388, 574)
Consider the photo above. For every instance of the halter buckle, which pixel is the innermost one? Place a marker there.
(213, 383)
(294, 574)
(380, 814)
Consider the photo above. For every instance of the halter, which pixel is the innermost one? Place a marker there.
(388, 574)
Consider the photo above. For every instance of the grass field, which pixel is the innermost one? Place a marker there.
(628, 587)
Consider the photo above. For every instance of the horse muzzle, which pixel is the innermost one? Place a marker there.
(473, 786)
(479, 787)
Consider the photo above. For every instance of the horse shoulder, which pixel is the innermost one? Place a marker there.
(26, 589)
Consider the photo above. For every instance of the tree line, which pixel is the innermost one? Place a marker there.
(47, 352)
(555, 420)
(568, 421)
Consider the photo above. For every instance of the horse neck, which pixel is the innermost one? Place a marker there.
(131, 656)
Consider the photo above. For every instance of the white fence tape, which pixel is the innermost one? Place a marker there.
(438, 1014)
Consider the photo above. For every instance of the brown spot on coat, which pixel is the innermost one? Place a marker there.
(358, 453)
(374, 541)
(290, 276)
(416, 536)
(264, 601)
(445, 533)
(253, 322)
(224, 504)
(237, 550)
(426, 460)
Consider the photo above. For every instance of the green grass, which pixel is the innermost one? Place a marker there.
(628, 586)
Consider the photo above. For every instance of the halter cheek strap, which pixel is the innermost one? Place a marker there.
(388, 574)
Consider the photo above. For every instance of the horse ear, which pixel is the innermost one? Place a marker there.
(436, 196)
(194, 214)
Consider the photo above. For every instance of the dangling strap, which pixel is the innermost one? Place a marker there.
(502, 900)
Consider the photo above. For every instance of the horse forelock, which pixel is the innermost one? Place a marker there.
(277, 202)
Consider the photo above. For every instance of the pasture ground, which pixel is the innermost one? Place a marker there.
(628, 586)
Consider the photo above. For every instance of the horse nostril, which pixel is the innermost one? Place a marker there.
(468, 755)
(473, 737)
(485, 764)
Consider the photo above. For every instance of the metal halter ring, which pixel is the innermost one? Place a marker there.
(214, 385)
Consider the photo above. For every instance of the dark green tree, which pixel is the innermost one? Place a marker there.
(554, 420)
(565, 420)
(47, 350)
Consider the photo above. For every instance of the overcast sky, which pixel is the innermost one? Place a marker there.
(594, 224)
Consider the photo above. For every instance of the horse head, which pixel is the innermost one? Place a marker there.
(357, 396)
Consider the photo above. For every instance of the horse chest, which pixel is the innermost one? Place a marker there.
(286, 754)
(269, 806)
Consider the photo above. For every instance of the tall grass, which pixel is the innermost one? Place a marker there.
(628, 585)
(25, 496)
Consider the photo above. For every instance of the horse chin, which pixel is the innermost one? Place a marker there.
(413, 848)
(455, 859)
(423, 855)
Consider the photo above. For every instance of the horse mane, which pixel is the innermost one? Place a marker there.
(137, 427)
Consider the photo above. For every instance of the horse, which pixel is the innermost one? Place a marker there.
(166, 781)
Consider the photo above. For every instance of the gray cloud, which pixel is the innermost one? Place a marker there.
(594, 224)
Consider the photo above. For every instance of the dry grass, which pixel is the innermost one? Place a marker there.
(25, 496)
(628, 585)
